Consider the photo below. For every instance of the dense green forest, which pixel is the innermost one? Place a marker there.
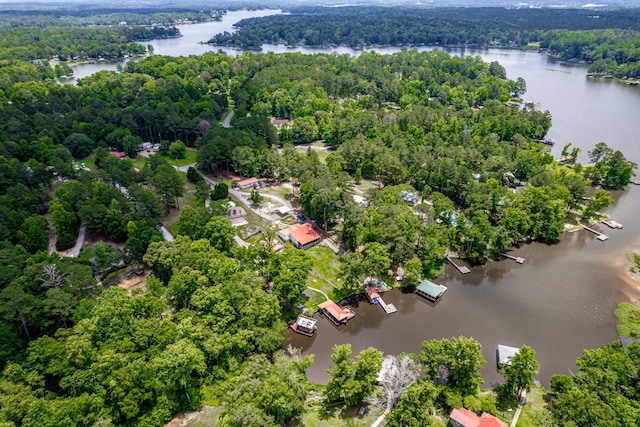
(78, 350)
(91, 17)
(608, 39)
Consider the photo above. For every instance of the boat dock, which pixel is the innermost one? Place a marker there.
(388, 308)
(517, 259)
(463, 269)
(374, 298)
(600, 236)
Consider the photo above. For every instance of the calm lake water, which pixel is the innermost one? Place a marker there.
(561, 300)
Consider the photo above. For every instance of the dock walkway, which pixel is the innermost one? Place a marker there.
(600, 236)
(461, 268)
(388, 308)
(517, 259)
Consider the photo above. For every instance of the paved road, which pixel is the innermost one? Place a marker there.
(227, 120)
(75, 251)
(185, 168)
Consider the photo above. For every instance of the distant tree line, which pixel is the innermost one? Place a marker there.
(608, 39)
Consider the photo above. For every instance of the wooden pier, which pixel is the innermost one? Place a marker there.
(517, 259)
(388, 308)
(600, 236)
(463, 269)
(374, 298)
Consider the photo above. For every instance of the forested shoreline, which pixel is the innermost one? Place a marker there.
(608, 39)
(78, 349)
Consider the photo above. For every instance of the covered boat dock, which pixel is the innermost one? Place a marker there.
(430, 290)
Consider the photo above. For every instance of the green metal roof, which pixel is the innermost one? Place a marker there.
(431, 288)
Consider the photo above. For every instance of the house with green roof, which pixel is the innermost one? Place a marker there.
(430, 290)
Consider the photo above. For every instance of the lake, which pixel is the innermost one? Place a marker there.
(561, 300)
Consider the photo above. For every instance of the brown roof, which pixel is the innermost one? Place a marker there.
(128, 284)
(303, 233)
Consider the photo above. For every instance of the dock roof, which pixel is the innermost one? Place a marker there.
(432, 289)
(505, 353)
(336, 311)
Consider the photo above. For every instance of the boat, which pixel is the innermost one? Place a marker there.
(612, 224)
(372, 295)
(305, 325)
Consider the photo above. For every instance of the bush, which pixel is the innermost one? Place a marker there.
(220, 191)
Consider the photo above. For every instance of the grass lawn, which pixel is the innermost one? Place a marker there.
(533, 410)
(189, 157)
(317, 415)
(324, 275)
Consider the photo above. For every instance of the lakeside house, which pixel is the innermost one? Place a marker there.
(462, 417)
(338, 315)
(504, 354)
(305, 325)
(302, 236)
(430, 290)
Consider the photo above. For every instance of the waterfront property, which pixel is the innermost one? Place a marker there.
(462, 417)
(302, 236)
(374, 298)
(504, 354)
(430, 290)
(338, 315)
(305, 325)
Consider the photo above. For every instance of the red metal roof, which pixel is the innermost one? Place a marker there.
(303, 234)
(336, 311)
(467, 418)
(247, 181)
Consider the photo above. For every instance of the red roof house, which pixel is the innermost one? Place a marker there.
(462, 417)
(302, 236)
(247, 183)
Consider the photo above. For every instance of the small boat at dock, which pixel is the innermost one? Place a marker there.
(612, 224)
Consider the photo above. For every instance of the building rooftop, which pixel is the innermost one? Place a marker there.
(306, 322)
(431, 289)
(247, 181)
(466, 418)
(504, 354)
(336, 311)
(303, 233)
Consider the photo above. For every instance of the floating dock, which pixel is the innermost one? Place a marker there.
(517, 259)
(461, 268)
(600, 236)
